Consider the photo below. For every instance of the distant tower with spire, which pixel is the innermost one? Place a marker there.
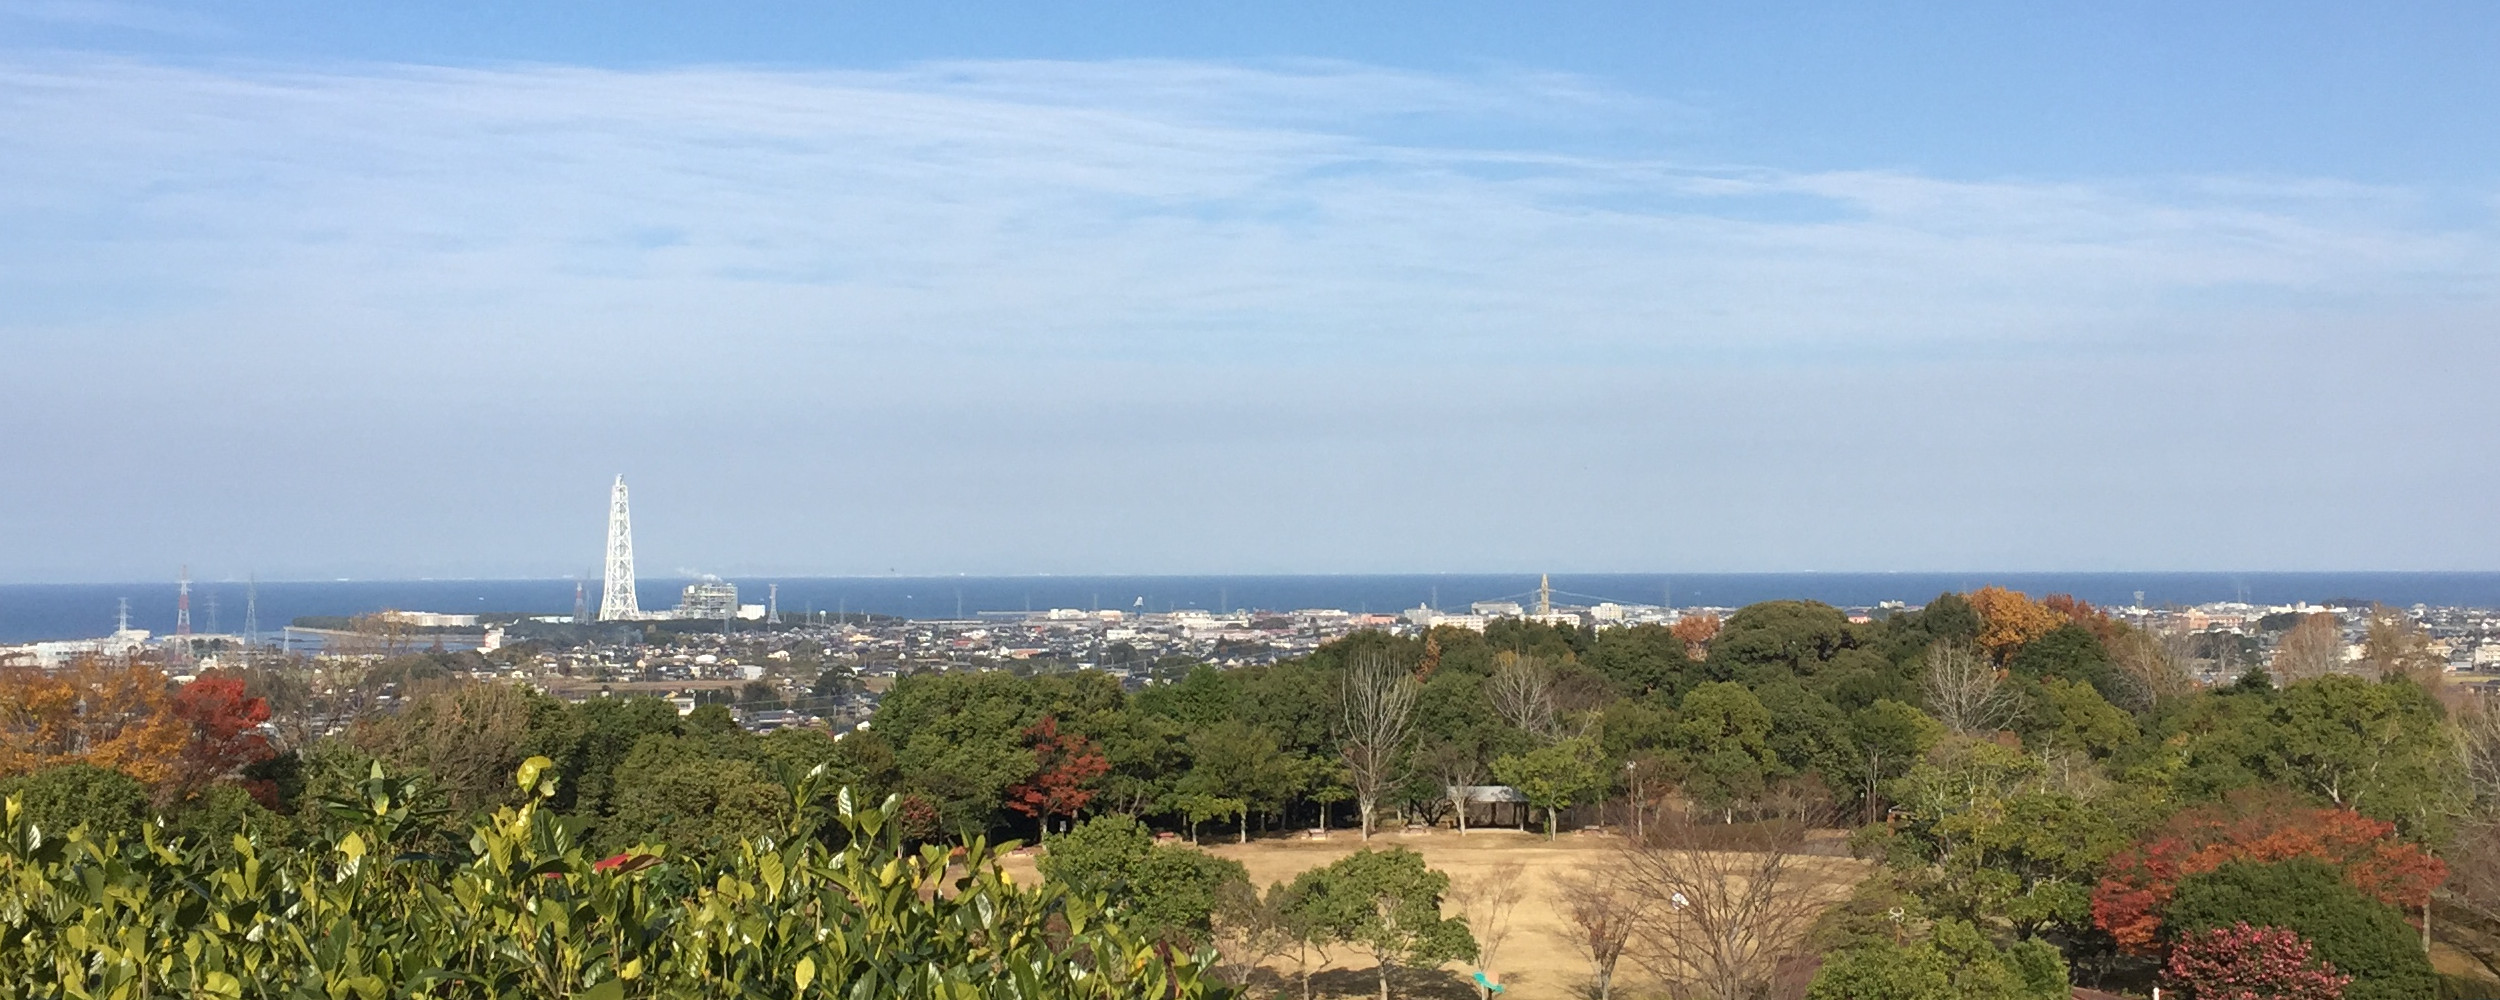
(251, 616)
(182, 604)
(616, 599)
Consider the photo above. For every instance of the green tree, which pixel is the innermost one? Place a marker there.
(959, 740)
(608, 728)
(1723, 733)
(1956, 962)
(2069, 652)
(1982, 840)
(1234, 759)
(1886, 739)
(1388, 903)
(1808, 734)
(1169, 891)
(676, 791)
(2380, 748)
(1641, 660)
(1553, 777)
(63, 797)
(833, 682)
(2362, 937)
(2072, 716)
(1762, 642)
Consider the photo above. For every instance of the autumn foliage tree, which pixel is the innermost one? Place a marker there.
(125, 716)
(1696, 633)
(2078, 611)
(2140, 880)
(225, 733)
(2010, 620)
(1065, 768)
(2251, 963)
(110, 714)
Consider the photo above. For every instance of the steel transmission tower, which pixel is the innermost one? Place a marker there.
(182, 605)
(616, 600)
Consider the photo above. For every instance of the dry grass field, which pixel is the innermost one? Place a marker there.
(1537, 961)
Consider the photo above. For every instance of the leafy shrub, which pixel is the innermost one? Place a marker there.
(2240, 962)
(519, 909)
(1956, 962)
(58, 798)
(2359, 935)
(1168, 890)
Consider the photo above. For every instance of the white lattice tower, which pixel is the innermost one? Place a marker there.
(616, 600)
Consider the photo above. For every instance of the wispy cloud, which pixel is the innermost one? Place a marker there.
(958, 275)
(1158, 208)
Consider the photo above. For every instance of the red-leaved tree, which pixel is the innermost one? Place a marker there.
(2139, 881)
(225, 733)
(2251, 963)
(1065, 766)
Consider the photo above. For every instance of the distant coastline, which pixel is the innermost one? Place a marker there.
(36, 612)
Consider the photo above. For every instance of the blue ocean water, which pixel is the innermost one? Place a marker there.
(30, 612)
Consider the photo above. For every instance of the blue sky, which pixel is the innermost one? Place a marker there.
(392, 289)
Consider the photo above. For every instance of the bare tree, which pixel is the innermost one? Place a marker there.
(2473, 887)
(2154, 667)
(1377, 699)
(1603, 913)
(1726, 903)
(1965, 691)
(2472, 892)
(2478, 731)
(1486, 901)
(2396, 646)
(1523, 693)
(2313, 648)
(1458, 768)
(1251, 928)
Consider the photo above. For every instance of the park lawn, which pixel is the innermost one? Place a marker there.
(1537, 961)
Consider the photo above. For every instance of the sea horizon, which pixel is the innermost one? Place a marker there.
(33, 612)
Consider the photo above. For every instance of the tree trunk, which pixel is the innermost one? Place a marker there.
(1365, 807)
(1384, 978)
(1549, 822)
(1458, 808)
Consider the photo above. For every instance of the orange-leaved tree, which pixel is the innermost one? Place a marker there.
(1696, 632)
(38, 713)
(2009, 620)
(2256, 825)
(2081, 612)
(104, 712)
(125, 715)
